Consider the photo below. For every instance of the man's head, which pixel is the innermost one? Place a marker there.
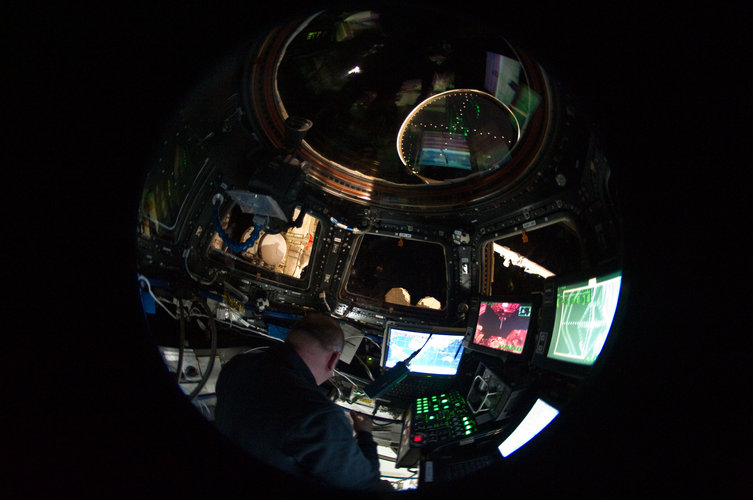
(318, 340)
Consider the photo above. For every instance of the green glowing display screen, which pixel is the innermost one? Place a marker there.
(583, 318)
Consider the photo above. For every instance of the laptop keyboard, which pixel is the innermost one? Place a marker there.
(411, 389)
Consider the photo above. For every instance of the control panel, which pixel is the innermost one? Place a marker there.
(434, 421)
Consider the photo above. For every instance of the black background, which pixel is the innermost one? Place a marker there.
(88, 408)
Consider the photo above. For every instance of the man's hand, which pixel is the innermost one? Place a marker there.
(361, 422)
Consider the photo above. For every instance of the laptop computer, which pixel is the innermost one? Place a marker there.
(432, 369)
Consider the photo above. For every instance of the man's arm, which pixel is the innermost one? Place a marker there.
(364, 426)
(326, 449)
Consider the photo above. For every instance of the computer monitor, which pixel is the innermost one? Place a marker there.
(576, 322)
(502, 326)
(439, 355)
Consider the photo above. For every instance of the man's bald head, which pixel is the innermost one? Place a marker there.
(320, 329)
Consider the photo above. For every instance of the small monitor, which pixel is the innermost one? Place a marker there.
(439, 355)
(583, 317)
(577, 322)
(502, 325)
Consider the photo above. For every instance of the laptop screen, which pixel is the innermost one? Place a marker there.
(439, 356)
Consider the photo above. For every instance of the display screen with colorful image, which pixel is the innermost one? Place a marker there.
(503, 326)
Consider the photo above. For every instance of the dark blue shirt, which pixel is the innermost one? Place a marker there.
(269, 404)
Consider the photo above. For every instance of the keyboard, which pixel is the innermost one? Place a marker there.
(435, 421)
(442, 418)
(407, 391)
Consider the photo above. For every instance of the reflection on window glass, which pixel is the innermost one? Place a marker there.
(503, 81)
(165, 191)
(399, 271)
(360, 75)
(455, 133)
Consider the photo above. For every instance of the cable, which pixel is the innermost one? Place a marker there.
(202, 397)
(336, 383)
(264, 347)
(373, 341)
(208, 414)
(387, 422)
(181, 343)
(210, 366)
(323, 296)
(192, 275)
(236, 325)
(415, 353)
(346, 378)
(357, 392)
(343, 226)
(339, 392)
(213, 327)
(368, 372)
(143, 278)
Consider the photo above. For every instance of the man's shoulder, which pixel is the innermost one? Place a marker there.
(257, 371)
(246, 362)
(259, 358)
